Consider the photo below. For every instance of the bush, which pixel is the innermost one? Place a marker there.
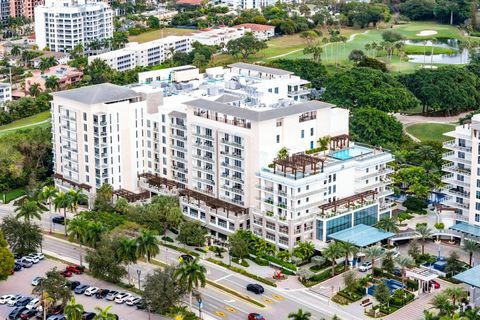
(314, 150)
(200, 250)
(425, 258)
(352, 296)
(340, 300)
(281, 263)
(243, 263)
(167, 239)
(415, 204)
(242, 271)
(402, 216)
(260, 261)
(186, 251)
(475, 34)
(439, 226)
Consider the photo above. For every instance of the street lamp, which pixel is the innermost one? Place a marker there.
(80, 255)
(200, 306)
(139, 272)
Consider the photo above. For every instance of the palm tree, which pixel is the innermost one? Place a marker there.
(388, 225)
(424, 233)
(104, 314)
(15, 51)
(76, 197)
(73, 310)
(471, 247)
(77, 230)
(52, 83)
(300, 315)
(147, 244)
(404, 262)
(368, 47)
(443, 304)
(323, 143)
(63, 201)
(28, 210)
(455, 293)
(47, 194)
(127, 252)
(34, 90)
(332, 252)
(94, 233)
(191, 274)
(373, 253)
(349, 249)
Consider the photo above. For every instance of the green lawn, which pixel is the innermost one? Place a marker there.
(13, 194)
(430, 131)
(40, 119)
(161, 33)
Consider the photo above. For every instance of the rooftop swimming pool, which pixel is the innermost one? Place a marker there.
(349, 153)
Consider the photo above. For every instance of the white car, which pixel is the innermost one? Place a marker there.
(91, 291)
(365, 267)
(5, 298)
(31, 259)
(133, 301)
(122, 297)
(11, 302)
(36, 281)
(32, 304)
(38, 255)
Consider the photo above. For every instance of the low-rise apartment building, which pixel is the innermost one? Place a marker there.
(260, 31)
(213, 140)
(5, 94)
(64, 74)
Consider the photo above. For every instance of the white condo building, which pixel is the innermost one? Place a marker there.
(62, 24)
(5, 94)
(145, 54)
(213, 140)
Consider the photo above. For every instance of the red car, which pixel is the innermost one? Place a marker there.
(66, 273)
(255, 316)
(435, 284)
(75, 269)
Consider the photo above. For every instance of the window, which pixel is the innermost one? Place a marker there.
(477, 206)
(302, 134)
(279, 122)
(312, 145)
(461, 155)
(276, 90)
(278, 138)
(311, 132)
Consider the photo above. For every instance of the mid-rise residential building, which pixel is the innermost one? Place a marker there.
(5, 94)
(60, 25)
(64, 74)
(4, 12)
(213, 139)
(24, 8)
(218, 36)
(145, 54)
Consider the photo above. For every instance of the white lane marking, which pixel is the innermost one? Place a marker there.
(223, 278)
(216, 299)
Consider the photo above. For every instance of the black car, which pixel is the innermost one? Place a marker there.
(23, 302)
(16, 313)
(58, 220)
(81, 289)
(27, 314)
(255, 288)
(17, 266)
(73, 284)
(88, 316)
(141, 305)
(397, 272)
(102, 293)
(186, 257)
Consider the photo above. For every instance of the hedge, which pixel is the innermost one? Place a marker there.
(186, 251)
(340, 300)
(350, 295)
(281, 263)
(244, 262)
(327, 274)
(259, 261)
(243, 272)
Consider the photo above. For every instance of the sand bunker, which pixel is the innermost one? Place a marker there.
(427, 33)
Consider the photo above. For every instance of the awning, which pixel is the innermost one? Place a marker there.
(361, 235)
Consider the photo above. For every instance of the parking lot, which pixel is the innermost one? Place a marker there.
(20, 283)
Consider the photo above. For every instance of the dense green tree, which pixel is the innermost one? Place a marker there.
(55, 285)
(192, 233)
(372, 63)
(238, 246)
(356, 56)
(103, 198)
(455, 294)
(153, 22)
(191, 274)
(316, 52)
(245, 46)
(162, 291)
(382, 293)
(23, 237)
(417, 9)
(366, 87)
(304, 250)
(416, 181)
(454, 265)
(6, 258)
(452, 11)
(375, 127)
(387, 263)
(34, 90)
(77, 230)
(99, 71)
(104, 261)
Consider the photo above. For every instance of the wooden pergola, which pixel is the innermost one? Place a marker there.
(212, 202)
(299, 162)
(157, 181)
(340, 141)
(72, 183)
(348, 200)
(131, 196)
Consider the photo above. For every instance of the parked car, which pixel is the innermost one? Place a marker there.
(24, 263)
(58, 309)
(66, 273)
(365, 267)
(122, 297)
(31, 259)
(102, 293)
(255, 316)
(111, 295)
(397, 272)
(141, 305)
(91, 291)
(88, 316)
(17, 267)
(81, 289)
(36, 281)
(132, 301)
(32, 304)
(255, 288)
(435, 284)
(13, 300)
(58, 220)
(4, 299)
(23, 302)
(75, 269)
(39, 255)
(15, 313)
(57, 317)
(186, 257)
(73, 284)
(28, 314)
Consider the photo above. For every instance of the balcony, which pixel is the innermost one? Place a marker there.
(178, 126)
(451, 145)
(457, 192)
(348, 204)
(451, 167)
(231, 143)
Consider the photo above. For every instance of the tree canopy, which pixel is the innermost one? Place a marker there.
(245, 46)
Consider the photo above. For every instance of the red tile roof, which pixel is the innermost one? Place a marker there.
(255, 26)
(190, 2)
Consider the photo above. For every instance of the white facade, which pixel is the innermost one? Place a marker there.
(218, 36)
(145, 54)
(62, 24)
(5, 93)
(463, 171)
(212, 139)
